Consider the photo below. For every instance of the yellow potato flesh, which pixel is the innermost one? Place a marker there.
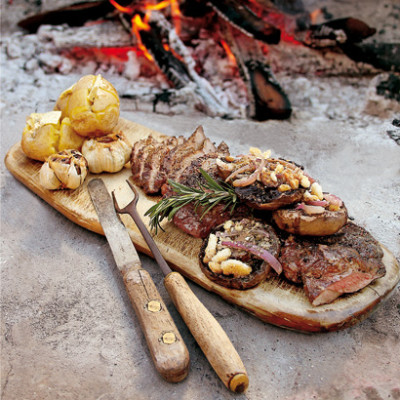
(92, 104)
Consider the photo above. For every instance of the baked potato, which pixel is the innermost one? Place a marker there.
(48, 133)
(92, 105)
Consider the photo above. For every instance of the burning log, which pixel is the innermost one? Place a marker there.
(179, 66)
(267, 99)
(244, 19)
(338, 31)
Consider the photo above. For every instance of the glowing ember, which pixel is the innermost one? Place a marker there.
(228, 52)
(126, 10)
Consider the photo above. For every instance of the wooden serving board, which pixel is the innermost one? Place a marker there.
(274, 301)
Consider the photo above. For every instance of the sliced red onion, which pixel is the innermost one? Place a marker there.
(332, 199)
(321, 203)
(244, 168)
(258, 251)
(246, 181)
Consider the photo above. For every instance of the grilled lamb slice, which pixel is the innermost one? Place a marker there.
(139, 163)
(175, 156)
(147, 159)
(152, 178)
(137, 148)
(223, 150)
(329, 266)
(338, 270)
(206, 148)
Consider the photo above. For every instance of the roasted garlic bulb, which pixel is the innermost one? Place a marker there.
(107, 153)
(92, 105)
(66, 169)
(45, 134)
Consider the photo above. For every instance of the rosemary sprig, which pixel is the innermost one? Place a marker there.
(206, 196)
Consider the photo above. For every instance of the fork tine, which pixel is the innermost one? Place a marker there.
(116, 206)
(135, 200)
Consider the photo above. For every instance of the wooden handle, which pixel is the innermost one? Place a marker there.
(166, 345)
(208, 333)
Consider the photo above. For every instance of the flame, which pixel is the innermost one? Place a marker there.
(175, 12)
(171, 50)
(159, 6)
(138, 25)
(228, 52)
(176, 16)
(126, 10)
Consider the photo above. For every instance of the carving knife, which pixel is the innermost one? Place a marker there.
(165, 343)
(208, 333)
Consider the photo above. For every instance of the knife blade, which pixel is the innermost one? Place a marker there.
(167, 348)
(208, 333)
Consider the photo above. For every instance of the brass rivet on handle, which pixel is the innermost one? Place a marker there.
(154, 306)
(169, 338)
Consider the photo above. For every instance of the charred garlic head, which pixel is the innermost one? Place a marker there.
(92, 105)
(107, 153)
(66, 169)
(47, 133)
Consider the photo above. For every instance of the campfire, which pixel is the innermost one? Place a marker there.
(217, 55)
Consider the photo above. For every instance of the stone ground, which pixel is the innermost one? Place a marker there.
(68, 330)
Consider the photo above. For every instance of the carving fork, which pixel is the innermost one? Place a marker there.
(208, 333)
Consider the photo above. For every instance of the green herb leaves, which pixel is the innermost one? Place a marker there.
(205, 197)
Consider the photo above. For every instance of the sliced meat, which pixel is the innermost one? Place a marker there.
(189, 220)
(337, 270)
(139, 155)
(154, 161)
(135, 164)
(147, 159)
(152, 177)
(330, 266)
(207, 147)
(192, 144)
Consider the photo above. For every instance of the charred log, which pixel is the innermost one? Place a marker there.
(290, 6)
(385, 56)
(270, 101)
(390, 87)
(174, 69)
(179, 66)
(266, 97)
(244, 19)
(73, 15)
(338, 31)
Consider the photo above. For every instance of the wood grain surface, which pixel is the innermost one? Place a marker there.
(275, 301)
